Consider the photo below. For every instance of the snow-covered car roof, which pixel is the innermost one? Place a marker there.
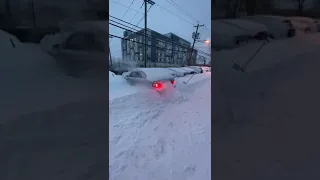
(221, 28)
(188, 69)
(247, 25)
(156, 74)
(196, 68)
(178, 70)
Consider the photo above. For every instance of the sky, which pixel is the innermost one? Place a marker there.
(163, 17)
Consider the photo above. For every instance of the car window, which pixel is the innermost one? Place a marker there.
(135, 74)
(83, 41)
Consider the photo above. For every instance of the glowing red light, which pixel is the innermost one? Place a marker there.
(173, 82)
(157, 86)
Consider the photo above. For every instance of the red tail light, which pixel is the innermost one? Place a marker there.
(173, 82)
(157, 85)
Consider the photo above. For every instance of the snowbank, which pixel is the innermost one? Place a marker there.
(119, 87)
(269, 112)
(161, 140)
(30, 82)
(48, 41)
(8, 41)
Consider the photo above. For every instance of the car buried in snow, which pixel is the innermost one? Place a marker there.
(154, 78)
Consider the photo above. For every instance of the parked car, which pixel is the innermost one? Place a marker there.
(197, 69)
(205, 69)
(307, 23)
(227, 36)
(317, 22)
(178, 71)
(189, 70)
(278, 27)
(84, 50)
(155, 78)
(256, 31)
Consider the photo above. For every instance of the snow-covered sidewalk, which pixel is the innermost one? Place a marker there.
(162, 140)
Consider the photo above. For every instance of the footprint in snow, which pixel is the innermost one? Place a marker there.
(159, 148)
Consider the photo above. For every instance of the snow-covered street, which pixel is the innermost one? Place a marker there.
(266, 121)
(155, 138)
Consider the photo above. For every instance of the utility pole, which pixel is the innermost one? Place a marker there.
(145, 29)
(110, 65)
(195, 36)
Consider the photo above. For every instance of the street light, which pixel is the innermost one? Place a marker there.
(207, 42)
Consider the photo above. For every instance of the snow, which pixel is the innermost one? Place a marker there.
(274, 24)
(27, 72)
(119, 87)
(271, 54)
(252, 27)
(224, 35)
(154, 74)
(152, 138)
(266, 121)
(178, 71)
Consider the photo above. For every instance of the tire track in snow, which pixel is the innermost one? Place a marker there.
(130, 116)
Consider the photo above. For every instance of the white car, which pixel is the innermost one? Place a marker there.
(227, 36)
(256, 30)
(305, 24)
(155, 78)
(278, 26)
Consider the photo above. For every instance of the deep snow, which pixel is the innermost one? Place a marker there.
(266, 121)
(30, 81)
(155, 138)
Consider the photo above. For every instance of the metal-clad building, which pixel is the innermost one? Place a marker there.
(164, 50)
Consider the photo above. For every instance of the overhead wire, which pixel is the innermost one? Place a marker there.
(149, 36)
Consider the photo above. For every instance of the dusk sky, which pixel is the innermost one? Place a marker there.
(163, 17)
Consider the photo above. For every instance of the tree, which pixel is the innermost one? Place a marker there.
(300, 7)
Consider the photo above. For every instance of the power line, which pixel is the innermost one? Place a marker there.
(178, 7)
(123, 25)
(126, 39)
(125, 6)
(151, 37)
(174, 14)
(126, 22)
(143, 16)
(127, 9)
(137, 12)
(173, 42)
(143, 34)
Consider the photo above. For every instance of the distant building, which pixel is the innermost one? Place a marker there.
(163, 50)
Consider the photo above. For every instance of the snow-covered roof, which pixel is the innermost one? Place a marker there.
(155, 74)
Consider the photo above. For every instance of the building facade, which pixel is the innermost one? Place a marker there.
(163, 50)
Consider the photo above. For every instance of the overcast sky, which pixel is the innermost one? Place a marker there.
(163, 21)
